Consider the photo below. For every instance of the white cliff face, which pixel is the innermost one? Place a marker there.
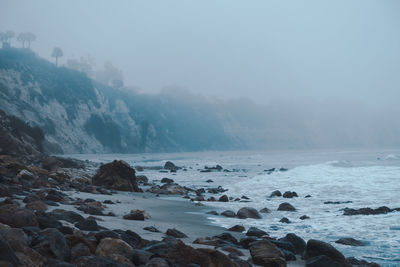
(79, 115)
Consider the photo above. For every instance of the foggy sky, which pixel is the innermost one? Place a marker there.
(260, 49)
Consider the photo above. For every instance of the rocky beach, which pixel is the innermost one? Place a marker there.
(66, 212)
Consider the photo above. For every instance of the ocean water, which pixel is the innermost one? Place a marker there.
(361, 178)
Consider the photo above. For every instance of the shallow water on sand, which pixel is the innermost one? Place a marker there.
(362, 178)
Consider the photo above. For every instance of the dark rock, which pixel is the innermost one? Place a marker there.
(289, 194)
(368, 211)
(108, 202)
(265, 210)
(66, 215)
(304, 217)
(109, 246)
(57, 263)
(283, 244)
(338, 202)
(289, 256)
(52, 244)
(4, 192)
(307, 196)
(322, 261)
(117, 175)
(51, 164)
(350, 242)
(15, 216)
(276, 193)
(265, 253)
(7, 254)
(228, 213)
(298, 243)
(361, 263)
(167, 180)
(246, 241)
(286, 207)
(151, 229)
(227, 237)
(248, 212)
(107, 233)
(175, 233)
(94, 261)
(209, 181)
(316, 248)
(87, 225)
(223, 198)
(46, 220)
(213, 212)
(170, 166)
(132, 238)
(284, 220)
(253, 231)
(140, 257)
(142, 179)
(36, 205)
(137, 215)
(157, 262)
(168, 189)
(79, 250)
(237, 228)
(200, 191)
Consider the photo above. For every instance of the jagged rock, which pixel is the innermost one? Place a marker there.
(175, 233)
(265, 253)
(227, 237)
(237, 228)
(298, 243)
(151, 229)
(304, 217)
(15, 216)
(117, 175)
(253, 231)
(286, 207)
(350, 242)
(276, 193)
(140, 257)
(142, 179)
(248, 212)
(109, 246)
(228, 213)
(137, 215)
(316, 248)
(167, 180)
(52, 244)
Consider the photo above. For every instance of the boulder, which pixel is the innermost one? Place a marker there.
(175, 233)
(157, 262)
(304, 217)
(109, 246)
(137, 215)
(66, 215)
(265, 210)
(284, 220)
(142, 179)
(298, 243)
(151, 229)
(316, 248)
(15, 216)
(228, 213)
(170, 166)
(350, 242)
(50, 243)
(248, 212)
(79, 250)
(168, 189)
(51, 164)
(87, 225)
(237, 228)
(36, 205)
(286, 207)
(94, 261)
(117, 175)
(276, 193)
(140, 257)
(7, 254)
(167, 180)
(254, 231)
(289, 194)
(223, 198)
(16, 238)
(368, 211)
(265, 253)
(322, 260)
